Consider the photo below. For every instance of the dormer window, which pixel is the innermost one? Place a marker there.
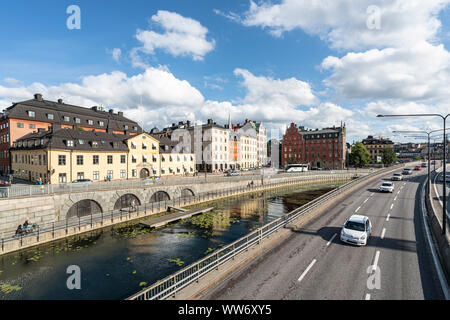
(31, 114)
(66, 119)
(101, 123)
(77, 120)
(90, 122)
(70, 143)
(81, 141)
(125, 127)
(135, 128)
(94, 144)
(50, 116)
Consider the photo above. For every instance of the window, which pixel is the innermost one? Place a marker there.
(96, 175)
(44, 157)
(123, 174)
(31, 114)
(40, 159)
(90, 122)
(81, 141)
(61, 160)
(79, 160)
(95, 159)
(123, 159)
(110, 159)
(144, 158)
(95, 144)
(50, 116)
(133, 159)
(70, 143)
(32, 126)
(19, 124)
(133, 145)
(77, 120)
(66, 118)
(135, 128)
(134, 173)
(110, 174)
(101, 123)
(125, 127)
(62, 178)
(80, 175)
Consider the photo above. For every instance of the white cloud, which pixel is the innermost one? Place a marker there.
(11, 81)
(116, 53)
(420, 72)
(344, 24)
(181, 36)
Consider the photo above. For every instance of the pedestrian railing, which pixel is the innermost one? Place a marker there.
(47, 189)
(170, 285)
(125, 214)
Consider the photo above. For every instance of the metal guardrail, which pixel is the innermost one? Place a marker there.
(78, 222)
(175, 282)
(47, 189)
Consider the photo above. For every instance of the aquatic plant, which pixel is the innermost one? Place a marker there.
(177, 261)
(7, 288)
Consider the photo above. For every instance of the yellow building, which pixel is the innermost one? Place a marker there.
(66, 155)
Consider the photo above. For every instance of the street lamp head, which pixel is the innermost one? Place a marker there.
(380, 116)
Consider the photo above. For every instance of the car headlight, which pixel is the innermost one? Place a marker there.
(363, 237)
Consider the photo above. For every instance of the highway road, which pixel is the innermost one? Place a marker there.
(312, 263)
(437, 187)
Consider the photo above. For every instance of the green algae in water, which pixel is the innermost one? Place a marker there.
(142, 284)
(7, 288)
(177, 261)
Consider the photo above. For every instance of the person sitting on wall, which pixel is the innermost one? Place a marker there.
(19, 230)
(26, 225)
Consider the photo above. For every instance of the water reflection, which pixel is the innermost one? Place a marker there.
(118, 261)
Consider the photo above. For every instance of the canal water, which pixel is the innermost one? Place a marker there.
(119, 261)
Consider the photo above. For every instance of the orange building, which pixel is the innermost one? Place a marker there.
(28, 116)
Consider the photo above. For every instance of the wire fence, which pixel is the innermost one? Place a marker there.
(175, 282)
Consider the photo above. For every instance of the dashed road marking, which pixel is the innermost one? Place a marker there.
(357, 209)
(331, 240)
(306, 271)
(392, 205)
(375, 262)
(388, 216)
(382, 233)
(395, 199)
(368, 296)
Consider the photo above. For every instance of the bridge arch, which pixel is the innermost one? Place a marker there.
(125, 200)
(159, 196)
(186, 193)
(84, 208)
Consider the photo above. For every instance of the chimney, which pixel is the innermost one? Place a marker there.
(110, 111)
(180, 123)
(60, 101)
(94, 108)
(173, 124)
(120, 113)
(188, 123)
(38, 97)
(210, 121)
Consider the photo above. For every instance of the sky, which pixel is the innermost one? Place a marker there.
(316, 63)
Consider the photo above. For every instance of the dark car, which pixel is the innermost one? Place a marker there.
(82, 181)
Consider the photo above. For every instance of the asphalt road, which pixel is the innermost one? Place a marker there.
(312, 263)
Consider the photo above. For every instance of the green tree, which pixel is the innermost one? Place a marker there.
(389, 157)
(359, 155)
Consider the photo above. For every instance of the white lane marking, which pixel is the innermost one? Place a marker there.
(331, 240)
(398, 192)
(366, 200)
(392, 205)
(368, 296)
(383, 232)
(372, 194)
(357, 209)
(388, 216)
(306, 271)
(404, 183)
(395, 199)
(375, 262)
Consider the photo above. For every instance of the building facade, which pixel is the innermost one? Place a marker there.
(375, 146)
(28, 116)
(325, 148)
(65, 155)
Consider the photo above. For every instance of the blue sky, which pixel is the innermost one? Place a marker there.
(273, 61)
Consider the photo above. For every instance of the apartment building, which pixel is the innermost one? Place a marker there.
(375, 146)
(209, 142)
(65, 155)
(325, 148)
(28, 116)
(260, 134)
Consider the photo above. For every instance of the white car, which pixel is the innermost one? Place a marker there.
(397, 177)
(386, 187)
(407, 171)
(356, 230)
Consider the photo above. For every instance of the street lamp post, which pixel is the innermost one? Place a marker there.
(428, 133)
(444, 118)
